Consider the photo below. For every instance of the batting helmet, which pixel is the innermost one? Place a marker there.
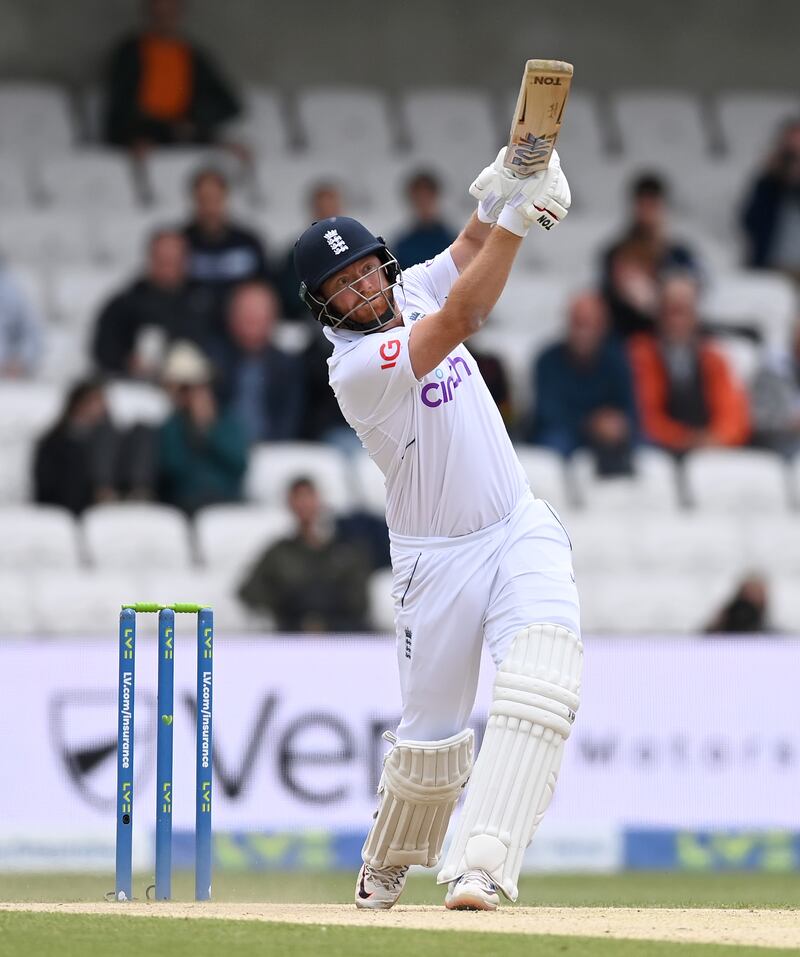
(325, 248)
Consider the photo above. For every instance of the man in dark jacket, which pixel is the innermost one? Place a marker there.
(260, 382)
(162, 89)
(636, 262)
(221, 252)
(85, 460)
(137, 324)
(771, 215)
(427, 234)
(311, 581)
(584, 391)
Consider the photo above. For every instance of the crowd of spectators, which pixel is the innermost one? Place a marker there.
(636, 363)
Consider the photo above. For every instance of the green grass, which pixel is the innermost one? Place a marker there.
(26, 935)
(645, 889)
(67, 935)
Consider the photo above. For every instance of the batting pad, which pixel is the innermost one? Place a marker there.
(420, 784)
(536, 695)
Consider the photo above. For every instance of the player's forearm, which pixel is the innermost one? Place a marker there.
(476, 291)
(469, 242)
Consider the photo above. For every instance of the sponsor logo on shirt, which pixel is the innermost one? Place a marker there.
(390, 353)
(438, 393)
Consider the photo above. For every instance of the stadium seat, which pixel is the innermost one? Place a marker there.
(169, 171)
(37, 537)
(134, 402)
(19, 611)
(262, 126)
(46, 237)
(534, 305)
(79, 293)
(741, 481)
(119, 239)
(783, 604)
(88, 181)
(27, 408)
(66, 358)
(273, 466)
(381, 605)
(370, 483)
(653, 487)
(231, 538)
(35, 119)
(656, 124)
(137, 536)
(573, 252)
(743, 355)
(205, 587)
(14, 184)
(749, 122)
(32, 282)
(773, 544)
(15, 470)
(753, 298)
(547, 475)
(657, 543)
(344, 122)
(639, 604)
(456, 123)
(82, 602)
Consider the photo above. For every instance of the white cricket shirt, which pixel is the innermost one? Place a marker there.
(440, 441)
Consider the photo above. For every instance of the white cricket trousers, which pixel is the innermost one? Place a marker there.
(452, 594)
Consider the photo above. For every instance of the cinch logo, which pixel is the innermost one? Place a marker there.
(435, 394)
(390, 353)
(335, 241)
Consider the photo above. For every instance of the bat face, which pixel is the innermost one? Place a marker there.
(537, 118)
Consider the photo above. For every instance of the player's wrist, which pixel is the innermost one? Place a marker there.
(513, 220)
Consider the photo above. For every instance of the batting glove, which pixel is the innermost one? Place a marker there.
(542, 199)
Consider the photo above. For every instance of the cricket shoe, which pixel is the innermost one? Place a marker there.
(474, 890)
(378, 888)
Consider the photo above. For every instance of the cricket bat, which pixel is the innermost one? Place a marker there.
(537, 118)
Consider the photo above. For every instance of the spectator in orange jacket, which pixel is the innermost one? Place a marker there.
(688, 397)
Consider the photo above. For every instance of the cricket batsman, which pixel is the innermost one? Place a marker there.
(476, 557)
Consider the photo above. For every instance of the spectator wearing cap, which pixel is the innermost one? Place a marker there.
(311, 581)
(162, 89)
(136, 325)
(428, 234)
(221, 252)
(634, 264)
(584, 395)
(202, 449)
(324, 201)
(260, 382)
(21, 339)
(771, 213)
(687, 394)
